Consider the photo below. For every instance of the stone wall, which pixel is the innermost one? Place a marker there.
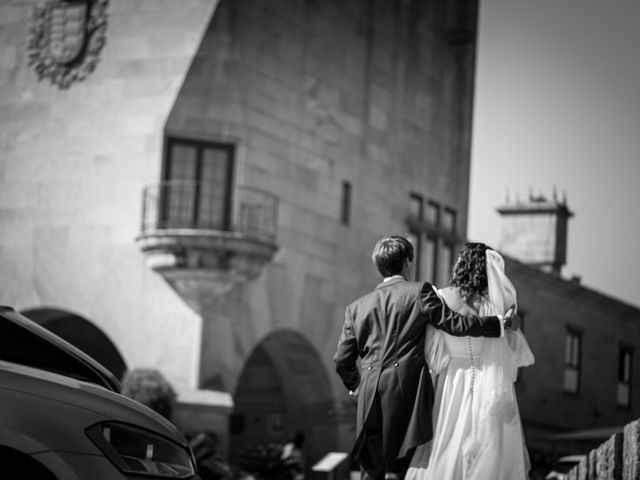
(616, 459)
(310, 93)
(73, 163)
(314, 94)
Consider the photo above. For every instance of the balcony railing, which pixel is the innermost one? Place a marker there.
(179, 205)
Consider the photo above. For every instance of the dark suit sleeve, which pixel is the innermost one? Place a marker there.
(442, 317)
(347, 354)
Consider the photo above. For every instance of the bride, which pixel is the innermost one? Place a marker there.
(477, 429)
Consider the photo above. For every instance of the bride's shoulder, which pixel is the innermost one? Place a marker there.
(456, 301)
(452, 296)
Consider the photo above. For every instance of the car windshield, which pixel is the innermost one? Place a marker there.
(26, 343)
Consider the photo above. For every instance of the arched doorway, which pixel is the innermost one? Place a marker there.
(284, 388)
(82, 334)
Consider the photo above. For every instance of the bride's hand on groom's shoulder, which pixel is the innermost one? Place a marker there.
(513, 318)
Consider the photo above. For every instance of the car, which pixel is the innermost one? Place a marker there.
(62, 416)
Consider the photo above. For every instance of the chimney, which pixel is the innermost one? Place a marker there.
(534, 231)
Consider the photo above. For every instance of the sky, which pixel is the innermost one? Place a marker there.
(557, 106)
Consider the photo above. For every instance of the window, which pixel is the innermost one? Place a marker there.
(624, 377)
(196, 191)
(572, 362)
(433, 213)
(445, 264)
(416, 206)
(345, 214)
(447, 259)
(449, 220)
(429, 260)
(433, 229)
(416, 211)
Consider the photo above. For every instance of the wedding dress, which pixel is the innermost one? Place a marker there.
(477, 429)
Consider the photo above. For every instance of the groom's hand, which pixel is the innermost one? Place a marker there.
(512, 320)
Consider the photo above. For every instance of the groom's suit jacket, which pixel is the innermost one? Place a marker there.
(386, 329)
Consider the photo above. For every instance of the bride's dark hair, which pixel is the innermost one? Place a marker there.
(470, 272)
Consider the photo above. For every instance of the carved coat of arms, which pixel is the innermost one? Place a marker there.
(66, 39)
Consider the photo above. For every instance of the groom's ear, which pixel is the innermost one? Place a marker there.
(408, 268)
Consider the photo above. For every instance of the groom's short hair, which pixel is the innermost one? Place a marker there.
(391, 254)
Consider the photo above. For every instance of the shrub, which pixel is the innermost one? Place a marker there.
(149, 387)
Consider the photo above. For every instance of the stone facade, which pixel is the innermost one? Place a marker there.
(311, 95)
(535, 232)
(72, 168)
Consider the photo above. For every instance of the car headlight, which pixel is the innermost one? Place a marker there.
(137, 451)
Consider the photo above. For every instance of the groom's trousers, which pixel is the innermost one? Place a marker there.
(372, 463)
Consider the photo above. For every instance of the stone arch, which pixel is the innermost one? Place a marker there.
(81, 333)
(283, 388)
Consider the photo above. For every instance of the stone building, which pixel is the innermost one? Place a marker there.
(584, 385)
(196, 185)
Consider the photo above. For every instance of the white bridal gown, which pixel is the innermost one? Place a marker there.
(477, 429)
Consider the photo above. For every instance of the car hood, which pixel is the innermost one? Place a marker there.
(102, 403)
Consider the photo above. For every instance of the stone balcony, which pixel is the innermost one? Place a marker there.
(205, 243)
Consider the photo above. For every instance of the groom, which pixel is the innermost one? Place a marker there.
(386, 329)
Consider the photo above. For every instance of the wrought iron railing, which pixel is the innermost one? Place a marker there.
(195, 206)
